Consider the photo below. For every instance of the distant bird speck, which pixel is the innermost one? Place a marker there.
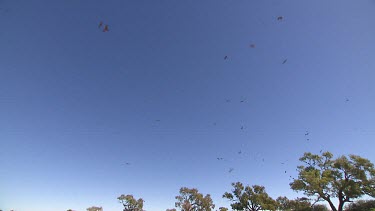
(307, 133)
(285, 61)
(106, 29)
(252, 45)
(346, 100)
(219, 158)
(225, 57)
(239, 152)
(241, 127)
(230, 170)
(280, 18)
(100, 24)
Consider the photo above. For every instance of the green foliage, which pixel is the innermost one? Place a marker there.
(361, 205)
(93, 208)
(130, 203)
(223, 209)
(300, 204)
(342, 178)
(319, 207)
(250, 198)
(192, 200)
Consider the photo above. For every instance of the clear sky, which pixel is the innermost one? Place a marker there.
(77, 104)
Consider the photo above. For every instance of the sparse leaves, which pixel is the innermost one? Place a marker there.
(130, 203)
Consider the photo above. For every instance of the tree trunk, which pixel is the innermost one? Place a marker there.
(332, 205)
(341, 205)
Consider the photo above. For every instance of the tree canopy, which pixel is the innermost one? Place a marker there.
(361, 205)
(93, 208)
(130, 203)
(250, 198)
(343, 178)
(192, 200)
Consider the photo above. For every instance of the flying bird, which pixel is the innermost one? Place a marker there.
(100, 24)
(347, 100)
(106, 29)
(285, 172)
(307, 133)
(241, 127)
(225, 57)
(230, 170)
(127, 163)
(252, 45)
(219, 158)
(285, 61)
(280, 18)
(227, 100)
(239, 152)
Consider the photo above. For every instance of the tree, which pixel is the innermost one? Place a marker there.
(250, 198)
(361, 205)
(93, 208)
(342, 178)
(130, 203)
(192, 200)
(300, 204)
(173, 209)
(223, 209)
(319, 207)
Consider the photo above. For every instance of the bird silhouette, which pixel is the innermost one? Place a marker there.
(106, 29)
(280, 18)
(307, 133)
(227, 100)
(241, 127)
(252, 45)
(230, 170)
(239, 152)
(347, 100)
(219, 158)
(225, 57)
(285, 61)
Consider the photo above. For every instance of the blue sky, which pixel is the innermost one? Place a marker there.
(77, 103)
